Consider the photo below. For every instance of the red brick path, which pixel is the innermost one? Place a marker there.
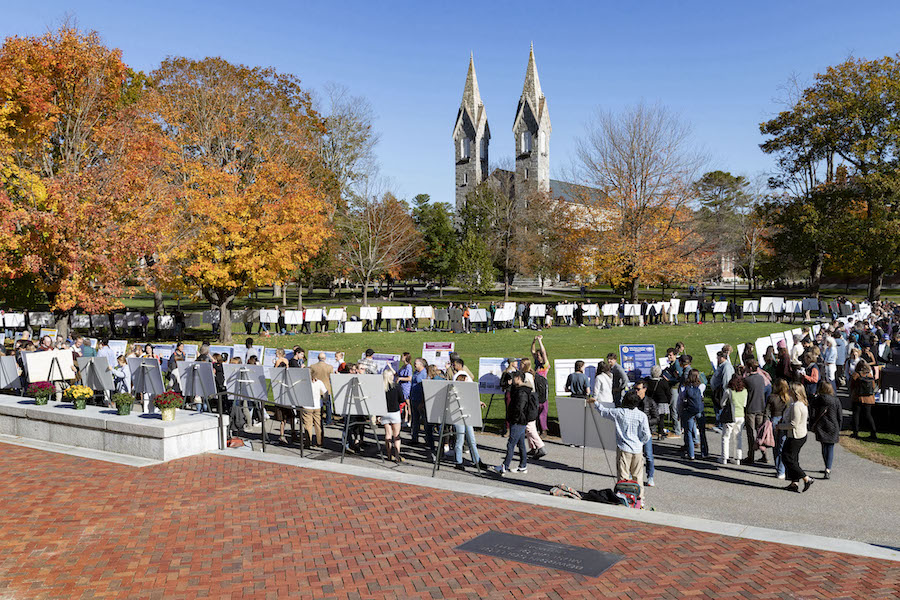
(218, 527)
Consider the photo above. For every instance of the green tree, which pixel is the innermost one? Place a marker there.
(723, 202)
(435, 225)
(475, 272)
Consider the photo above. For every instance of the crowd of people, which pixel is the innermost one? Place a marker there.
(772, 401)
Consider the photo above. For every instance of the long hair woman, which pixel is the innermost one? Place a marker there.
(391, 420)
(793, 423)
(734, 400)
(827, 423)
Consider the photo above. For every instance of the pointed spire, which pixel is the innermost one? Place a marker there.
(471, 97)
(532, 87)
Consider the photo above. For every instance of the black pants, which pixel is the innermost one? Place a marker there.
(866, 410)
(790, 456)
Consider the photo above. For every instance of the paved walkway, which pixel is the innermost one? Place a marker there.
(854, 504)
(220, 527)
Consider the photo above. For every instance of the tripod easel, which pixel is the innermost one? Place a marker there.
(357, 398)
(589, 410)
(452, 396)
(196, 382)
(242, 383)
(289, 392)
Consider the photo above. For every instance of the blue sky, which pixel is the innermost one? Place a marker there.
(718, 64)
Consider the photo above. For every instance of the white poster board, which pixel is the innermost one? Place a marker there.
(563, 367)
(368, 313)
(465, 408)
(674, 303)
(293, 317)
(353, 327)
(37, 365)
(489, 372)
(40, 319)
(424, 312)
(610, 310)
(14, 320)
(438, 353)
(711, 351)
(51, 332)
(81, 321)
(241, 351)
(762, 345)
(771, 305)
(392, 312)
(565, 310)
(268, 315)
(196, 379)
(382, 360)
(592, 310)
(246, 380)
(751, 306)
(504, 315)
(577, 418)
(690, 307)
(720, 307)
(793, 306)
(336, 314)
(9, 373)
(146, 376)
(478, 315)
(293, 387)
(538, 310)
(313, 315)
(312, 357)
(632, 310)
(364, 400)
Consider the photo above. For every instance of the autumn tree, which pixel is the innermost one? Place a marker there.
(251, 187)
(439, 240)
(80, 170)
(638, 228)
(378, 237)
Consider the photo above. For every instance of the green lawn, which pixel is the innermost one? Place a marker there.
(885, 450)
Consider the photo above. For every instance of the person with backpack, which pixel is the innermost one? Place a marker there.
(827, 423)
(660, 392)
(521, 409)
(692, 414)
(862, 393)
(632, 432)
(531, 435)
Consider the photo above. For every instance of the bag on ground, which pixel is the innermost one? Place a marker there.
(564, 491)
(629, 493)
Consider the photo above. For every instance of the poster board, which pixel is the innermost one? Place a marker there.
(336, 314)
(504, 315)
(424, 312)
(40, 319)
(293, 387)
(563, 367)
(591, 310)
(761, 346)
(9, 373)
(793, 306)
(466, 410)
(268, 315)
(119, 347)
(565, 310)
(246, 380)
(241, 351)
(391, 312)
(14, 320)
(690, 306)
(146, 376)
(489, 371)
(347, 401)
(225, 350)
(610, 310)
(382, 360)
(165, 322)
(313, 315)
(368, 313)
(37, 365)
(164, 351)
(353, 327)
(293, 317)
(751, 306)
(81, 321)
(196, 379)
(268, 358)
(538, 310)
(674, 304)
(632, 310)
(478, 315)
(637, 360)
(810, 304)
(51, 332)
(576, 417)
(768, 304)
(711, 351)
(100, 320)
(438, 353)
(313, 357)
(133, 319)
(720, 307)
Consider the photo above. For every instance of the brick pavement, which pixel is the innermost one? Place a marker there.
(218, 527)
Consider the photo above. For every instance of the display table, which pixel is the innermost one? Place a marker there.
(101, 428)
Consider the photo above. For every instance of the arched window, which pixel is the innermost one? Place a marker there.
(465, 147)
(526, 141)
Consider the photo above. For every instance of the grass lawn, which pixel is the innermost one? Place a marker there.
(560, 342)
(885, 450)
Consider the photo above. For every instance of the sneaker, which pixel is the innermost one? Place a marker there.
(808, 483)
(780, 476)
(762, 459)
(459, 467)
(650, 482)
(482, 466)
(500, 469)
(539, 453)
(827, 474)
(521, 470)
(747, 461)
(723, 461)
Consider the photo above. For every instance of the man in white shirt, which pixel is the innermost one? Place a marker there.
(632, 432)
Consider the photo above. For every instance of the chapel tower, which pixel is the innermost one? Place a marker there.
(532, 132)
(471, 136)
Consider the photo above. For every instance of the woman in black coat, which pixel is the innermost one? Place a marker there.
(827, 423)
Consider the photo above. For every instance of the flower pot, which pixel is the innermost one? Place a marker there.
(41, 400)
(123, 409)
(79, 404)
(168, 414)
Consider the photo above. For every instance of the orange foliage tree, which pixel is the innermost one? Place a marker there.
(80, 164)
(251, 190)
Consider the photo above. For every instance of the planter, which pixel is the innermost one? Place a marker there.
(79, 404)
(123, 409)
(168, 414)
(41, 400)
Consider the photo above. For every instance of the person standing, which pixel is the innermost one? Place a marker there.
(692, 414)
(322, 371)
(541, 384)
(632, 432)
(517, 415)
(603, 384)
(827, 423)
(619, 377)
(720, 379)
(648, 407)
(577, 383)
(535, 442)
(672, 376)
(862, 394)
(391, 421)
(793, 423)
(732, 418)
(754, 413)
(466, 433)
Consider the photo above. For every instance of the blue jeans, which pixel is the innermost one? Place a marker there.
(687, 425)
(828, 454)
(418, 419)
(516, 438)
(648, 452)
(326, 404)
(780, 436)
(469, 434)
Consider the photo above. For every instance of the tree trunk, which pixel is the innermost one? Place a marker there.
(62, 324)
(875, 281)
(158, 304)
(815, 272)
(366, 292)
(542, 285)
(225, 319)
(284, 294)
(276, 290)
(635, 286)
(299, 294)
(441, 287)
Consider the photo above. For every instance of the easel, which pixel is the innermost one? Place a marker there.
(589, 409)
(357, 398)
(271, 388)
(487, 412)
(50, 379)
(242, 395)
(197, 382)
(453, 396)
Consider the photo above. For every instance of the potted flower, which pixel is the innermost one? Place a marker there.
(123, 402)
(167, 403)
(79, 395)
(41, 391)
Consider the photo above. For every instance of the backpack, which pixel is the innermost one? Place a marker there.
(532, 407)
(540, 388)
(564, 491)
(629, 493)
(693, 400)
(866, 386)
